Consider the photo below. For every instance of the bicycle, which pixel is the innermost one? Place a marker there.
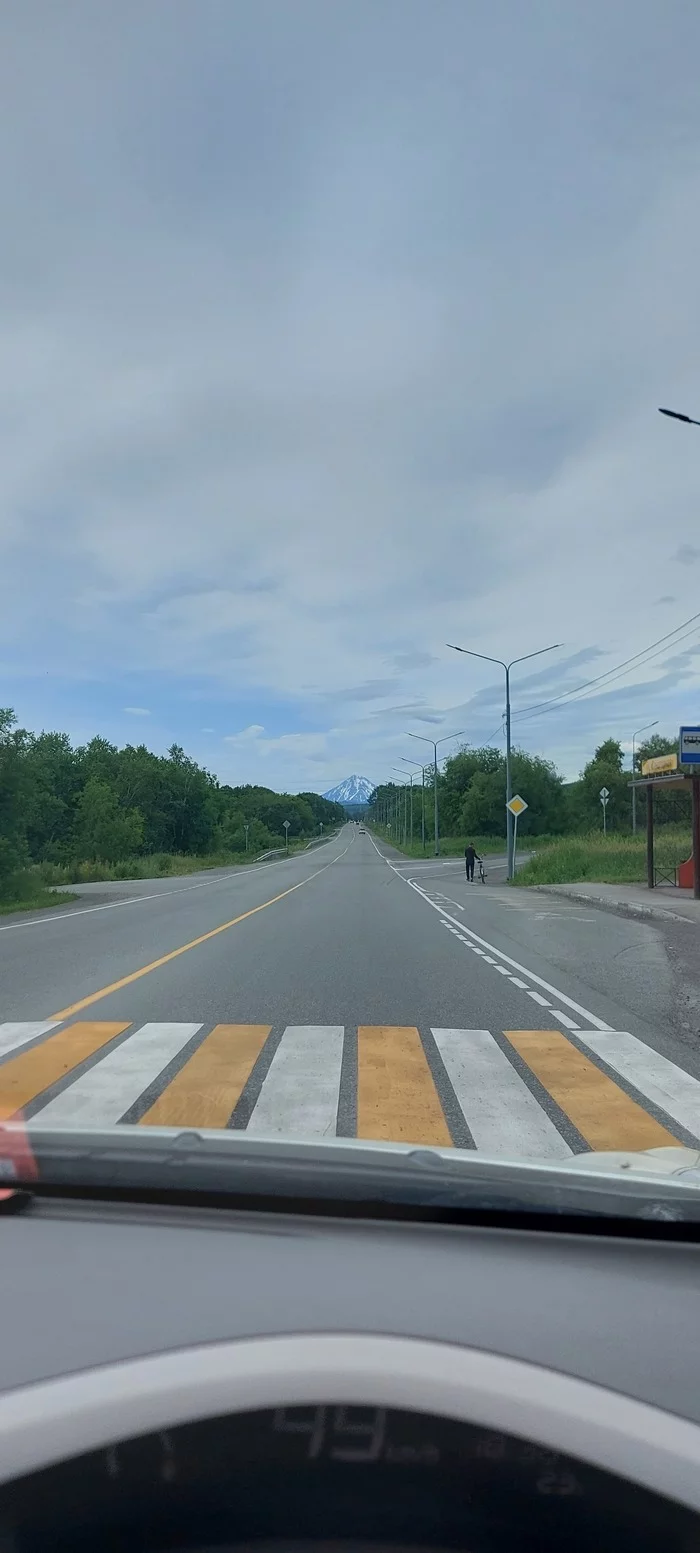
(482, 875)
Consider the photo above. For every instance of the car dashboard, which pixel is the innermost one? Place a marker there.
(175, 1378)
(338, 1477)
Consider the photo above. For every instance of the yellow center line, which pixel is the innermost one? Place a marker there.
(603, 1113)
(164, 959)
(396, 1097)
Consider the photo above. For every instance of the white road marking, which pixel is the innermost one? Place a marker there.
(299, 1095)
(105, 1092)
(537, 998)
(560, 997)
(518, 983)
(135, 900)
(563, 1019)
(503, 971)
(498, 1107)
(659, 1079)
(18, 1032)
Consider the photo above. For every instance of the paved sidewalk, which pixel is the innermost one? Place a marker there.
(633, 900)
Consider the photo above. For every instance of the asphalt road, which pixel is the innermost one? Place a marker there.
(349, 991)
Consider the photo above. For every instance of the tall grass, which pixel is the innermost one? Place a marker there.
(450, 846)
(153, 866)
(25, 891)
(604, 859)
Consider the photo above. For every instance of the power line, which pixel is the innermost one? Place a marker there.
(653, 655)
(576, 690)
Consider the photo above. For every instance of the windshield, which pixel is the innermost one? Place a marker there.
(349, 749)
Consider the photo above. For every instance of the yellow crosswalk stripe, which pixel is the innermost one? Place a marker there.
(25, 1077)
(205, 1091)
(605, 1116)
(397, 1101)
(396, 1096)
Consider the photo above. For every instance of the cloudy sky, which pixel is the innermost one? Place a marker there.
(333, 331)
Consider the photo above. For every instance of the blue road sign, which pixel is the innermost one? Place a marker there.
(689, 746)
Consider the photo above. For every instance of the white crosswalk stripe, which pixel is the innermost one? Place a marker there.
(497, 1105)
(519, 1092)
(106, 1091)
(299, 1096)
(14, 1034)
(658, 1079)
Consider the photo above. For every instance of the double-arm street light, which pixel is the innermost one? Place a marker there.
(655, 724)
(420, 767)
(410, 778)
(435, 743)
(507, 666)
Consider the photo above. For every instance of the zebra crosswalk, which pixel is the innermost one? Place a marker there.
(529, 1094)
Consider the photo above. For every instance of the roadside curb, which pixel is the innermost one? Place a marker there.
(619, 908)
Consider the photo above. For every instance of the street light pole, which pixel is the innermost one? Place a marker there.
(655, 724)
(410, 778)
(422, 806)
(435, 743)
(507, 666)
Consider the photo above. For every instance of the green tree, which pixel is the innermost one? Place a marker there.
(604, 770)
(54, 780)
(14, 852)
(104, 832)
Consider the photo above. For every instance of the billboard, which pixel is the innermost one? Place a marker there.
(659, 764)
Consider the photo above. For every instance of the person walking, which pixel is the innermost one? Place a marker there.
(471, 857)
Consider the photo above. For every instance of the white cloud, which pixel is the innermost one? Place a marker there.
(137, 711)
(321, 355)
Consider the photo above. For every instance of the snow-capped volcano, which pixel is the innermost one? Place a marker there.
(355, 789)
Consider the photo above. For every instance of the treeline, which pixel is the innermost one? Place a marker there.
(97, 803)
(472, 794)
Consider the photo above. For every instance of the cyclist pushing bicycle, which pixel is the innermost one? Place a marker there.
(471, 857)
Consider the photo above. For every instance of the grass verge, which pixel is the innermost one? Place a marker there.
(450, 846)
(156, 865)
(604, 859)
(26, 892)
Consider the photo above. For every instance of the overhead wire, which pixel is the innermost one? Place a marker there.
(638, 659)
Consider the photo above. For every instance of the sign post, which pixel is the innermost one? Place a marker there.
(604, 796)
(689, 755)
(286, 835)
(515, 806)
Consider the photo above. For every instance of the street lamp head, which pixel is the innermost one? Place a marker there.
(676, 415)
(507, 666)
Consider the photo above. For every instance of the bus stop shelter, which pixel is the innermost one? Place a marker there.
(688, 873)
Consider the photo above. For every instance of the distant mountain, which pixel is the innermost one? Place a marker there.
(355, 789)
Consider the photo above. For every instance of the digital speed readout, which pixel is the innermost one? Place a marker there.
(331, 1474)
(357, 1434)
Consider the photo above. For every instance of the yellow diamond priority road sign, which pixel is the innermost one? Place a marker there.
(517, 805)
